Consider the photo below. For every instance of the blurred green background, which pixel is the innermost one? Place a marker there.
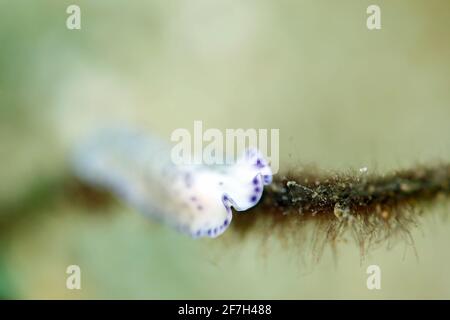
(342, 96)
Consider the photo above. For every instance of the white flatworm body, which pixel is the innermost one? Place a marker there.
(196, 200)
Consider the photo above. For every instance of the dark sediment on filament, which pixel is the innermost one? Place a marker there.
(372, 207)
(341, 194)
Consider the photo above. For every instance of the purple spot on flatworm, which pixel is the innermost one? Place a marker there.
(193, 199)
(257, 189)
(253, 199)
(255, 180)
(259, 163)
(209, 232)
(225, 223)
(188, 180)
(199, 207)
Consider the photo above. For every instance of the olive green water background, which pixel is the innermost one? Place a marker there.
(342, 96)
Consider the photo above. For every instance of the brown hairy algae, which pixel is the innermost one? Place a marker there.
(373, 209)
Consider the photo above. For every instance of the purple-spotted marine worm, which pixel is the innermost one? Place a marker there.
(195, 199)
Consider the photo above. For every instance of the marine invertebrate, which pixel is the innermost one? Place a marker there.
(195, 199)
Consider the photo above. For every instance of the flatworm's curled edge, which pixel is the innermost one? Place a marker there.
(213, 194)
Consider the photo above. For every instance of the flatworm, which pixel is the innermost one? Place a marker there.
(195, 199)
